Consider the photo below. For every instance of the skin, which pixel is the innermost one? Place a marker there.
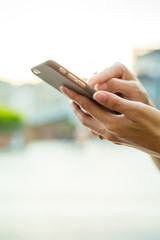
(138, 125)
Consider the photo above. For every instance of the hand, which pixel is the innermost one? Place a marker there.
(138, 126)
(118, 79)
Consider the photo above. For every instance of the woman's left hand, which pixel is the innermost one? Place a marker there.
(138, 125)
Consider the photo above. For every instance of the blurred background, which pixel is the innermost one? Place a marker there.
(56, 181)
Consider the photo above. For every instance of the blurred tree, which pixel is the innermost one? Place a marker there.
(10, 120)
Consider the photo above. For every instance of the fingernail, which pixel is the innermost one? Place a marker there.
(100, 97)
(64, 90)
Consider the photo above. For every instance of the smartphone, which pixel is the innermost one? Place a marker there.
(57, 76)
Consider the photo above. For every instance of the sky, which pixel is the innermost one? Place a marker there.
(84, 36)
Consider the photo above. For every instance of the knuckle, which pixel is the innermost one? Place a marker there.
(81, 101)
(136, 87)
(136, 92)
(105, 73)
(112, 83)
(112, 139)
(135, 84)
(141, 90)
(119, 64)
(138, 110)
(114, 128)
(102, 131)
(85, 105)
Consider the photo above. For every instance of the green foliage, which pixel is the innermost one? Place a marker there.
(9, 119)
(67, 123)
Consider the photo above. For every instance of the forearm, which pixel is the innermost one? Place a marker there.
(156, 160)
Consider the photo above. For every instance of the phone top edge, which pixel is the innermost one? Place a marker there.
(52, 64)
(56, 67)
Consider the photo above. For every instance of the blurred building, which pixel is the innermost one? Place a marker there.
(46, 111)
(147, 68)
(38, 103)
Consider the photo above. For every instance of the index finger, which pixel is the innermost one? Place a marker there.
(117, 70)
(88, 105)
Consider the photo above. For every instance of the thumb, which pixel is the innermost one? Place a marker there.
(115, 102)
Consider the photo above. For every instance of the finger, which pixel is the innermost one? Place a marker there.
(115, 102)
(94, 133)
(76, 108)
(110, 138)
(96, 128)
(88, 105)
(115, 85)
(86, 119)
(107, 136)
(101, 86)
(117, 70)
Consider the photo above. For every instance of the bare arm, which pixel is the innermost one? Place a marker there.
(130, 89)
(139, 124)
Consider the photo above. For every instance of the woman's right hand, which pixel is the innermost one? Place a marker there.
(119, 80)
